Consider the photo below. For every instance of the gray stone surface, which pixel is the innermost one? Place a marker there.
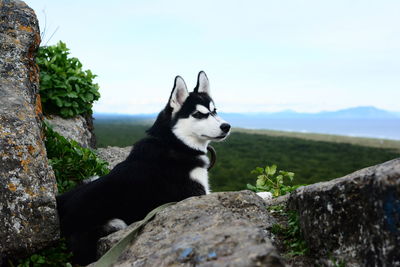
(28, 217)
(355, 218)
(75, 128)
(113, 155)
(220, 229)
(282, 200)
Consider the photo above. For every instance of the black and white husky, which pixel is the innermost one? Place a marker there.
(168, 165)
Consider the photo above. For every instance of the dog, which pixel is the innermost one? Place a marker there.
(169, 165)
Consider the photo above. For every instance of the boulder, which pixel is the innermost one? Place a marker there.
(219, 229)
(354, 219)
(28, 220)
(113, 155)
(76, 128)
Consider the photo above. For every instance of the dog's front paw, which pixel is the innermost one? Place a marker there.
(114, 225)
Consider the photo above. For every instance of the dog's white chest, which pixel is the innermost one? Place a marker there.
(200, 174)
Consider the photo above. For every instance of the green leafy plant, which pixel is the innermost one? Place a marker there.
(56, 255)
(71, 162)
(291, 233)
(278, 209)
(271, 180)
(65, 89)
(295, 239)
(337, 262)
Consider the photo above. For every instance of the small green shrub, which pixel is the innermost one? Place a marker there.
(269, 180)
(56, 255)
(293, 240)
(71, 162)
(68, 91)
(337, 262)
(65, 89)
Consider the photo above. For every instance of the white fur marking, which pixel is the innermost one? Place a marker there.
(197, 133)
(202, 109)
(218, 119)
(201, 175)
(205, 159)
(185, 132)
(212, 106)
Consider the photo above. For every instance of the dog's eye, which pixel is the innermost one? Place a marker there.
(199, 115)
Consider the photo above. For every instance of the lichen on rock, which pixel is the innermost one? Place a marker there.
(28, 219)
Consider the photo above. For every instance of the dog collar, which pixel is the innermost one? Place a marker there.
(213, 156)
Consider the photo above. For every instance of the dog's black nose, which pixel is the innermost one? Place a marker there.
(225, 127)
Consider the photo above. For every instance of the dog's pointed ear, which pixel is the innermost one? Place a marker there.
(203, 85)
(178, 95)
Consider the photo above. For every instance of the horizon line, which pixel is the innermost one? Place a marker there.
(258, 112)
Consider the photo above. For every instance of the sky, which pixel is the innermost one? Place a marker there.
(260, 56)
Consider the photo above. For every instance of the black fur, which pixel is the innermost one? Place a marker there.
(156, 172)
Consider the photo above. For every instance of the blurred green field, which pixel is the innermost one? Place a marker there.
(363, 141)
(312, 157)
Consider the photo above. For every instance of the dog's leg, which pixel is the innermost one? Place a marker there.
(83, 247)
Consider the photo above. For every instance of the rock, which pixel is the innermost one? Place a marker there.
(265, 195)
(28, 220)
(219, 229)
(356, 218)
(113, 155)
(75, 128)
(282, 200)
(90, 126)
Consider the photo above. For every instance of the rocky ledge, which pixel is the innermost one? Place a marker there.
(354, 220)
(220, 229)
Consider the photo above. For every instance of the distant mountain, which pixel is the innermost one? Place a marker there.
(116, 116)
(359, 113)
(367, 112)
(357, 121)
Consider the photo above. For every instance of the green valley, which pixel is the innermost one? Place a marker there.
(312, 158)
